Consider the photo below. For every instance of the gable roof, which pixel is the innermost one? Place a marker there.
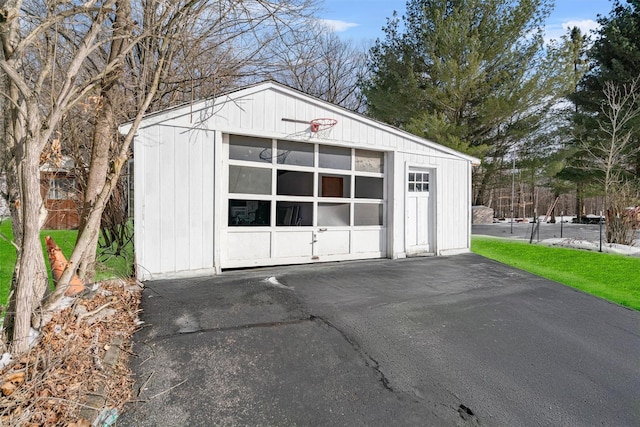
(243, 92)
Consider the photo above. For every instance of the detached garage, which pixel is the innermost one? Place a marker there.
(267, 175)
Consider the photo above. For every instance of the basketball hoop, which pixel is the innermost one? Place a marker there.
(322, 126)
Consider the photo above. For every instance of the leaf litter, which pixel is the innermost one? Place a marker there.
(78, 371)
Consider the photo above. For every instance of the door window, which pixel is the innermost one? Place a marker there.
(418, 182)
(295, 153)
(250, 149)
(369, 187)
(335, 157)
(244, 213)
(367, 214)
(295, 183)
(333, 214)
(330, 185)
(369, 161)
(247, 180)
(294, 214)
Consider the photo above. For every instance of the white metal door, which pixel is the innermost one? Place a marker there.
(418, 213)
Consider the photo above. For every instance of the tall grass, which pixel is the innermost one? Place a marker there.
(613, 277)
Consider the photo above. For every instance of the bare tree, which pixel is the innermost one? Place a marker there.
(37, 97)
(611, 157)
(319, 63)
(59, 55)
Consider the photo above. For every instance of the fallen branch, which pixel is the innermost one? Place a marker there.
(168, 390)
(145, 383)
(92, 313)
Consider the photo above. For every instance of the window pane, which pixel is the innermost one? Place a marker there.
(243, 179)
(369, 161)
(333, 214)
(294, 214)
(412, 186)
(335, 157)
(250, 149)
(412, 177)
(62, 188)
(292, 183)
(369, 188)
(367, 214)
(334, 185)
(247, 213)
(295, 153)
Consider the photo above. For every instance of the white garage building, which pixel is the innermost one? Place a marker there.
(246, 180)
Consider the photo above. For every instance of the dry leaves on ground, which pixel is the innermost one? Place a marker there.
(79, 365)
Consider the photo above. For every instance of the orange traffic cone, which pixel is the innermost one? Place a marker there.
(58, 264)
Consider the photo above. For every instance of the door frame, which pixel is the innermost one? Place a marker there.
(432, 210)
(314, 234)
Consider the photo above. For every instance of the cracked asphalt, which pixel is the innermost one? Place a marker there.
(438, 341)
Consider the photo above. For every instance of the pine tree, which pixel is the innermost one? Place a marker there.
(470, 74)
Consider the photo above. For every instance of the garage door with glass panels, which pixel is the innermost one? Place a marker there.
(295, 202)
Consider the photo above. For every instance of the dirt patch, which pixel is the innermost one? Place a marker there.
(79, 369)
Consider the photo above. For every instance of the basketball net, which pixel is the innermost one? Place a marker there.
(321, 128)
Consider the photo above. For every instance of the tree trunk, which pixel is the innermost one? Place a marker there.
(579, 202)
(16, 225)
(32, 278)
(484, 186)
(104, 132)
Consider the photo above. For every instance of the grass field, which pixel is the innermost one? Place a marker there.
(613, 277)
(107, 267)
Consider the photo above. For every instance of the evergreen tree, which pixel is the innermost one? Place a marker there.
(470, 74)
(572, 128)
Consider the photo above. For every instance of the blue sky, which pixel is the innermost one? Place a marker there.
(362, 20)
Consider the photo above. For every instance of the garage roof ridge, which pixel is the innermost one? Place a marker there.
(158, 117)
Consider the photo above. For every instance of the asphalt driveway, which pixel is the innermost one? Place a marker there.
(425, 341)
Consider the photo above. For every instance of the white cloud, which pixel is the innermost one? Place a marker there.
(586, 25)
(339, 26)
(555, 31)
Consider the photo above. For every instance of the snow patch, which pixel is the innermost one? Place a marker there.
(33, 337)
(273, 281)
(187, 323)
(613, 248)
(5, 360)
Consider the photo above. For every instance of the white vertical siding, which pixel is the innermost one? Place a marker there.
(174, 201)
(147, 201)
(194, 199)
(167, 193)
(454, 205)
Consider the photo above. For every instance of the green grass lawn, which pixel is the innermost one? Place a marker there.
(613, 277)
(108, 266)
